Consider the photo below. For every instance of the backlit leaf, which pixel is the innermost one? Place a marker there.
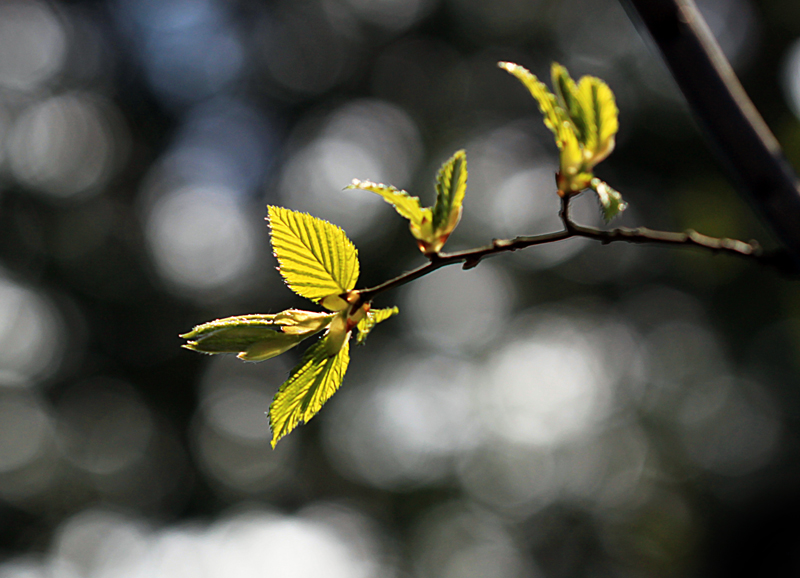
(451, 184)
(554, 115)
(568, 97)
(299, 321)
(373, 317)
(403, 203)
(602, 112)
(309, 386)
(256, 337)
(315, 257)
(267, 348)
(206, 329)
(333, 302)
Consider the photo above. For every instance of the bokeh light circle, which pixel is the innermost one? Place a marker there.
(33, 44)
(201, 239)
(453, 309)
(66, 146)
(31, 334)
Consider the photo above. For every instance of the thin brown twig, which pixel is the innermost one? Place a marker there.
(688, 237)
(471, 257)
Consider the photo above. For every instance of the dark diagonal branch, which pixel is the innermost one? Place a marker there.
(736, 130)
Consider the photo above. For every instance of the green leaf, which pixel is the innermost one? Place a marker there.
(256, 337)
(211, 327)
(598, 100)
(238, 339)
(611, 203)
(403, 203)
(554, 115)
(333, 302)
(272, 346)
(568, 97)
(556, 118)
(451, 184)
(315, 258)
(309, 386)
(299, 321)
(373, 317)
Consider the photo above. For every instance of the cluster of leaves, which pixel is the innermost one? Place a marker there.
(430, 226)
(317, 260)
(583, 117)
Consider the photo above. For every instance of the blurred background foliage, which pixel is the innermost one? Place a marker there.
(570, 410)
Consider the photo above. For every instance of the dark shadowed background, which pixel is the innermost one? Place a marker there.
(570, 410)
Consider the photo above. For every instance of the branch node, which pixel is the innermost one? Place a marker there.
(471, 263)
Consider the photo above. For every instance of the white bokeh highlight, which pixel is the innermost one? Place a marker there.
(32, 334)
(405, 431)
(546, 387)
(250, 544)
(458, 310)
(201, 239)
(33, 44)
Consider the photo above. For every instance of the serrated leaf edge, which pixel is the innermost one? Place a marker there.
(337, 270)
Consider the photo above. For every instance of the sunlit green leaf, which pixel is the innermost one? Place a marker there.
(315, 258)
(554, 115)
(272, 346)
(299, 321)
(256, 337)
(431, 226)
(403, 203)
(309, 386)
(255, 320)
(611, 203)
(451, 184)
(333, 302)
(237, 339)
(598, 101)
(373, 317)
(568, 98)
